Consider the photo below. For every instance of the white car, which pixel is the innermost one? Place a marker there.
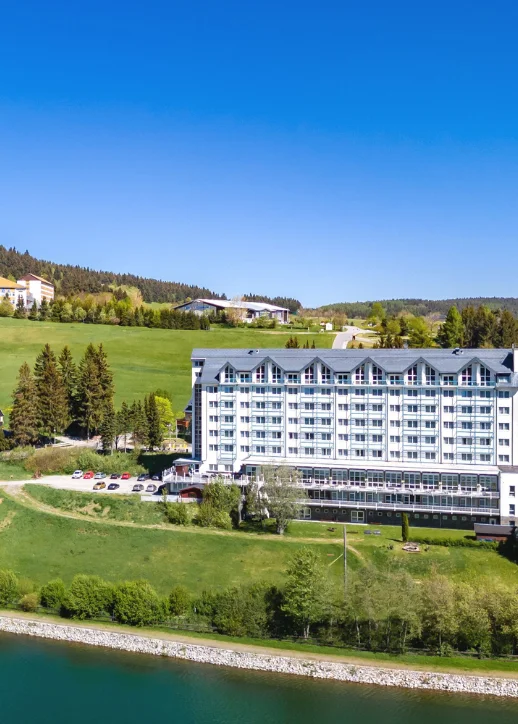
(77, 474)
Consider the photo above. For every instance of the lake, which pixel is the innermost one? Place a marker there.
(47, 682)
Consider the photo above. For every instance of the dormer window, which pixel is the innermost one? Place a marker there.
(342, 379)
(229, 374)
(276, 374)
(260, 374)
(485, 376)
(466, 376)
(309, 374)
(326, 375)
(430, 375)
(411, 375)
(377, 375)
(359, 375)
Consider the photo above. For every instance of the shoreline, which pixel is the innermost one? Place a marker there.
(253, 658)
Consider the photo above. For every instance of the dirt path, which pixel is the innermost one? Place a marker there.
(20, 495)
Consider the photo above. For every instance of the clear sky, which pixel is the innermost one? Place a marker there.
(330, 151)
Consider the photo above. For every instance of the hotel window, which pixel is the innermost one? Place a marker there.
(503, 394)
(467, 425)
(260, 449)
(260, 434)
(359, 423)
(309, 450)
(448, 393)
(375, 453)
(244, 405)
(395, 393)
(325, 451)
(342, 421)
(502, 410)
(412, 393)
(213, 418)
(309, 374)
(276, 450)
(466, 410)
(395, 438)
(309, 390)
(260, 390)
(245, 448)
(466, 457)
(466, 393)
(309, 405)
(503, 441)
(449, 441)
(430, 375)
(466, 441)
(411, 375)
(228, 448)
(395, 408)
(292, 391)
(448, 456)
(429, 456)
(245, 433)
(359, 438)
(342, 407)
(276, 374)
(395, 380)
(377, 423)
(293, 450)
(325, 391)
(377, 438)
(429, 393)
(359, 393)
(429, 408)
(486, 410)
(276, 390)
(292, 377)
(342, 379)
(412, 439)
(395, 454)
(485, 394)
(276, 420)
(245, 377)
(228, 418)
(395, 423)
(487, 426)
(412, 423)
(359, 374)
(466, 376)
(325, 420)
(429, 441)
(411, 455)
(486, 441)
(430, 424)
(213, 433)
(309, 436)
(293, 405)
(377, 393)
(377, 375)
(245, 419)
(342, 392)
(309, 421)
(485, 458)
(326, 375)
(260, 405)
(503, 458)
(325, 436)
(228, 405)
(412, 408)
(343, 452)
(260, 374)
(293, 435)
(359, 408)
(229, 375)
(343, 437)
(448, 380)
(377, 408)
(276, 405)
(325, 405)
(512, 509)
(276, 435)
(293, 420)
(213, 448)
(503, 426)
(261, 420)
(512, 491)
(359, 453)
(485, 376)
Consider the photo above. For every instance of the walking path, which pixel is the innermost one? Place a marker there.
(342, 339)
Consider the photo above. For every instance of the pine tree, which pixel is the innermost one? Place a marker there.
(123, 423)
(68, 371)
(52, 397)
(405, 527)
(108, 429)
(138, 424)
(34, 314)
(44, 310)
(105, 378)
(451, 334)
(155, 436)
(20, 312)
(313, 346)
(507, 330)
(24, 414)
(89, 392)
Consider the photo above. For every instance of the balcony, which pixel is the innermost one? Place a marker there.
(399, 507)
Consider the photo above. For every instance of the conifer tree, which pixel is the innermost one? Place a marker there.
(34, 314)
(105, 377)
(123, 423)
(405, 527)
(24, 414)
(155, 436)
(89, 392)
(44, 310)
(138, 424)
(108, 429)
(19, 312)
(68, 371)
(52, 397)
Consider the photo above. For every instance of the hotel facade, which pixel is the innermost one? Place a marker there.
(373, 433)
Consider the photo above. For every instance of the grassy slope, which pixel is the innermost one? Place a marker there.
(142, 359)
(202, 558)
(41, 546)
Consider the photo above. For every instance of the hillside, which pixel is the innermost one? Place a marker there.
(70, 279)
(417, 307)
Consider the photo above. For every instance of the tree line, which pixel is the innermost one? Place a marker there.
(288, 302)
(416, 307)
(58, 396)
(380, 610)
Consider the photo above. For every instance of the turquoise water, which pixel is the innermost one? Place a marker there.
(44, 682)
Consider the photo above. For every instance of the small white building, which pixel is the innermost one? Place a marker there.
(248, 311)
(13, 291)
(37, 289)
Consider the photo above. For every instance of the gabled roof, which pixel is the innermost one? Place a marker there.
(392, 361)
(238, 304)
(34, 277)
(8, 284)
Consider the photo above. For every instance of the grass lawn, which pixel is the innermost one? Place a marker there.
(41, 546)
(142, 359)
(383, 552)
(13, 472)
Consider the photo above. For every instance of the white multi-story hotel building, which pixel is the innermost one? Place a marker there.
(433, 432)
(37, 288)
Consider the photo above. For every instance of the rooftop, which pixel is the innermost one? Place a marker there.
(234, 304)
(8, 284)
(34, 277)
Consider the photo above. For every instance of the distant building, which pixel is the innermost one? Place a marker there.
(13, 291)
(248, 310)
(37, 288)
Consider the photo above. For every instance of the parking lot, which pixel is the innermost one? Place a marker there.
(65, 482)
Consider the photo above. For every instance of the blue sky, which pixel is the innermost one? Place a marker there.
(331, 151)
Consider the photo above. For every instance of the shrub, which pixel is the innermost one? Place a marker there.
(137, 604)
(242, 611)
(177, 513)
(8, 587)
(53, 594)
(30, 602)
(456, 542)
(179, 601)
(208, 516)
(25, 585)
(88, 597)
(51, 460)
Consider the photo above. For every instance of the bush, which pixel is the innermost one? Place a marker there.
(177, 513)
(53, 594)
(89, 597)
(179, 601)
(51, 460)
(8, 588)
(208, 516)
(30, 602)
(137, 603)
(242, 611)
(456, 542)
(25, 585)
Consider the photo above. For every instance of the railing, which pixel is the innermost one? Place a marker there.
(399, 507)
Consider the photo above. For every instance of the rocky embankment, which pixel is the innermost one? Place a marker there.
(318, 669)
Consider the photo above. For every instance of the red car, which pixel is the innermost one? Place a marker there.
(125, 476)
(89, 474)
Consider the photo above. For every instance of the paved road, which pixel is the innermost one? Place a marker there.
(343, 338)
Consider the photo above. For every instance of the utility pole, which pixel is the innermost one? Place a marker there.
(345, 560)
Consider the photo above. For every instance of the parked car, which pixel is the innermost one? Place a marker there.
(138, 488)
(77, 474)
(99, 476)
(151, 488)
(89, 474)
(156, 477)
(114, 476)
(100, 486)
(125, 476)
(142, 477)
(112, 486)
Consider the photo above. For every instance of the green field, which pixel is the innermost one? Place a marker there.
(111, 540)
(142, 359)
